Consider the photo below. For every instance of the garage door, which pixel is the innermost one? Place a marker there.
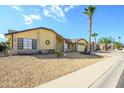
(66, 45)
(81, 48)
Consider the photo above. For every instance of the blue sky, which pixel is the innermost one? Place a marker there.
(68, 21)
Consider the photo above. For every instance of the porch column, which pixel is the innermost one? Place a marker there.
(55, 42)
(76, 47)
(63, 45)
(14, 42)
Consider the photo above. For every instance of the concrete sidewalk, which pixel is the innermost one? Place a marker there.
(85, 77)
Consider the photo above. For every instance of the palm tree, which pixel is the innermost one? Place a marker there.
(94, 35)
(89, 11)
(118, 45)
(105, 41)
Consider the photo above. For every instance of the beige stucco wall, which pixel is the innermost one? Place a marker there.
(47, 35)
(40, 35)
(28, 34)
(9, 37)
(59, 43)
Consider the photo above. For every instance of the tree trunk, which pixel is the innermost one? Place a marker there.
(90, 32)
(106, 47)
(95, 43)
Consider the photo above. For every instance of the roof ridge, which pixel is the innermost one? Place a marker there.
(18, 31)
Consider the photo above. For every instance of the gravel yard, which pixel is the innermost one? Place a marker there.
(32, 70)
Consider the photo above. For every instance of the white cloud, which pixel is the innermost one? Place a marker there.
(67, 8)
(29, 14)
(17, 8)
(56, 11)
(2, 36)
(30, 18)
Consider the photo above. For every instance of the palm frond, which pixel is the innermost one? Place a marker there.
(86, 13)
(94, 34)
(89, 10)
(105, 40)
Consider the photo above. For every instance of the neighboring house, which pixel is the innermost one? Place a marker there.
(102, 46)
(42, 40)
(78, 45)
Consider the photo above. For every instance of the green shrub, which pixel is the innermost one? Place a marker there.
(59, 53)
(4, 46)
(1, 48)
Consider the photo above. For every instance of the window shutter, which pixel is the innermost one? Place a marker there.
(20, 43)
(34, 44)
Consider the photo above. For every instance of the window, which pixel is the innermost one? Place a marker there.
(27, 43)
(20, 43)
(34, 44)
(67, 46)
(24, 43)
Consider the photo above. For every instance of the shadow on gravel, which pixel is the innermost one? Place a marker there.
(68, 56)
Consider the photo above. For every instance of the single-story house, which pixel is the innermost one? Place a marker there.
(78, 45)
(42, 40)
(105, 47)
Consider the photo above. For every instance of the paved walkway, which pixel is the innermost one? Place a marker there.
(85, 77)
(112, 76)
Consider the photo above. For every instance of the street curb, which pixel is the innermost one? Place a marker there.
(100, 77)
(110, 78)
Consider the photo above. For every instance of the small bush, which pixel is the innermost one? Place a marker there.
(4, 46)
(59, 53)
(1, 48)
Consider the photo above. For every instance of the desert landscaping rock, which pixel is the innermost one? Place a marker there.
(30, 71)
